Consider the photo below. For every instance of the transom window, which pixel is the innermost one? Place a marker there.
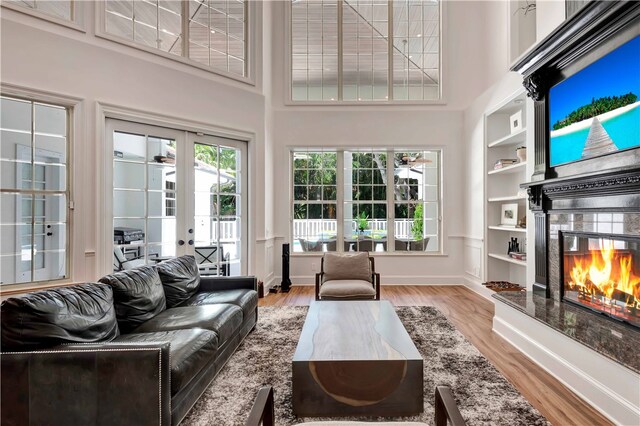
(213, 33)
(366, 200)
(34, 193)
(365, 50)
(58, 9)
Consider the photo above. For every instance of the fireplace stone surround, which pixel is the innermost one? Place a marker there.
(596, 195)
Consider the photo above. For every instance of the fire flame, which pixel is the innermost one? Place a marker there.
(606, 271)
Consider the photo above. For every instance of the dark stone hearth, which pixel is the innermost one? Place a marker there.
(612, 339)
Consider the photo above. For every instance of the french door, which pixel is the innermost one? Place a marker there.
(176, 193)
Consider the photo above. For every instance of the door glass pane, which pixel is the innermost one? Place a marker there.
(144, 199)
(217, 208)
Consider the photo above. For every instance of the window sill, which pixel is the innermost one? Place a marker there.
(73, 24)
(376, 253)
(180, 59)
(19, 288)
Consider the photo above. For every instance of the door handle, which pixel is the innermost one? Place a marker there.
(49, 234)
(180, 242)
(190, 242)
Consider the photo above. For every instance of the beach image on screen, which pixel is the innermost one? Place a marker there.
(597, 110)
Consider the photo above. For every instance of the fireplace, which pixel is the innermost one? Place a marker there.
(602, 272)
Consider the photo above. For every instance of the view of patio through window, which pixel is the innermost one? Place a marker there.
(388, 200)
(177, 193)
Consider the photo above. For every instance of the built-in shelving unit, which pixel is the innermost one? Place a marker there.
(502, 187)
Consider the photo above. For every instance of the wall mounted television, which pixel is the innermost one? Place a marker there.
(596, 111)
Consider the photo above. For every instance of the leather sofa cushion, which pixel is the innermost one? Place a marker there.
(76, 314)
(224, 319)
(189, 352)
(346, 266)
(138, 296)
(347, 289)
(247, 300)
(180, 278)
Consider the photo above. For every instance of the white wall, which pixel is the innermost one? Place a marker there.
(42, 56)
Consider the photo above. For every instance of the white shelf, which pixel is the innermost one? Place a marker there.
(509, 198)
(517, 138)
(508, 259)
(514, 168)
(508, 229)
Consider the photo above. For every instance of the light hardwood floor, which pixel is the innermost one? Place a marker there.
(473, 315)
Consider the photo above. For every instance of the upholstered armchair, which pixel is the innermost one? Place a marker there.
(347, 276)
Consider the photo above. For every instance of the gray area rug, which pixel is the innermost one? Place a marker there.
(484, 396)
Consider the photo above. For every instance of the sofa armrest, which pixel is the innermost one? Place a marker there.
(94, 384)
(228, 283)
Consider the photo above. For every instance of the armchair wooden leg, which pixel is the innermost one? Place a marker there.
(446, 408)
(262, 412)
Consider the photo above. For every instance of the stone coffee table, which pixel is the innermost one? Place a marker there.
(356, 358)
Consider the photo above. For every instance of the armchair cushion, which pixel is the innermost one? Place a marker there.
(75, 314)
(180, 278)
(347, 289)
(138, 296)
(189, 352)
(346, 266)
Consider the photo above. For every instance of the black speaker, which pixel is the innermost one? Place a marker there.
(285, 285)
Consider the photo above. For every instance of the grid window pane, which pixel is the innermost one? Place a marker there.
(33, 221)
(314, 201)
(62, 9)
(372, 219)
(369, 53)
(216, 29)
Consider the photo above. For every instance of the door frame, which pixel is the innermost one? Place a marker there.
(104, 111)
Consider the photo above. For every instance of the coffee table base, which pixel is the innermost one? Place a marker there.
(387, 388)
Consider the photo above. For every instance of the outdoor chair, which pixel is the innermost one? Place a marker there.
(307, 245)
(122, 262)
(366, 244)
(347, 276)
(212, 260)
(420, 245)
(401, 245)
(446, 411)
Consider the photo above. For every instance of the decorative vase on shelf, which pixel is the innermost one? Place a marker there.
(521, 153)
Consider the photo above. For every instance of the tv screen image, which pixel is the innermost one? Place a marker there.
(596, 111)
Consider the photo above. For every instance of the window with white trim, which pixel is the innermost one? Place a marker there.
(210, 32)
(61, 9)
(34, 191)
(365, 50)
(382, 200)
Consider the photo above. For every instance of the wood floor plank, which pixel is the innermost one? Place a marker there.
(473, 317)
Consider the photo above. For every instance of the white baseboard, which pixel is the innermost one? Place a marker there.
(476, 286)
(606, 385)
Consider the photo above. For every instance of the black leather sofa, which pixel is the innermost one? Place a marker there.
(137, 348)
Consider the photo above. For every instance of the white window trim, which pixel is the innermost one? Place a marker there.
(250, 53)
(340, 195)
(288, 101)
(75, 256)
(77, 23)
